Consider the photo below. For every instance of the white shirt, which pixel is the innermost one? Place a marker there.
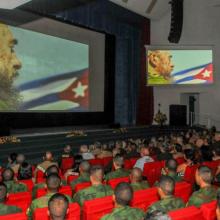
(140, 162)
(88, 156)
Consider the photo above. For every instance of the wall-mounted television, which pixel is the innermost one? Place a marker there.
(183, 65)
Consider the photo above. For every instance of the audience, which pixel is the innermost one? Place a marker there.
(178, 151)
(11, 160)
(19, 160)
(207, 192)
(97, 189)
(86, 155)
(168, 201)
(12, 186)
(6, 209)
(123, 194)
(58, 207)
(25, 171)
(157, 215)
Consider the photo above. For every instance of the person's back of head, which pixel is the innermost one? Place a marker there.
(178, 148)
(20, 158)
(166, 186)
(58, 206)
(204, 176)
(123, 194)
(157, 215)
(206, 153)
(171, 165)
(48, 156)
(218, 206)
(84, 167)
(145, 151)
(53, 182)
(25, 171)
(136, 175)
(3, 192)
(118, 161)
(189, 154)
(8, 175)
(96, 174)
(12, 158)
(52, 169)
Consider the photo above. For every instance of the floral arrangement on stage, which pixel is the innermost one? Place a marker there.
(160, 118)
(9, 139)
(76, 133)
(120, 130)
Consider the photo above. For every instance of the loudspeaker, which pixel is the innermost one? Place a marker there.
(178, 115)
(176, 21)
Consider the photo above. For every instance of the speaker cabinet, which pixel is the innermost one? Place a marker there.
(176, 24)
(178, 115)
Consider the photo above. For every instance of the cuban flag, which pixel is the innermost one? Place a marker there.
(198, 75)
(63, 92)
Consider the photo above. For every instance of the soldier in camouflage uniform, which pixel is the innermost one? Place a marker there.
(157, 215)
(84, 176)
(12, 186)
(136, 180)
(6, 209)
(122, 196)
(118, 163)
(53, 182)
(168, 201)
(67, 153)
(97, 190)
(207, 192)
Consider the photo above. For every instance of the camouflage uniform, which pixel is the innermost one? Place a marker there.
(84, 177)
(92, 192)
(8, 209)
(117, 173)
(13, 187)
(41, 203)
(175, 177)
(140, 186)
(124, 213)
(167, 204)
(44, 165)
(204, 195)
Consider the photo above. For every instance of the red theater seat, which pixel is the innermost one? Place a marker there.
(16, 216)
(63, 189)
(114, 182)
(209, 210)
(95, 162)
(29, 183)
(190, 172)
(96, 208)
(180, 160)
(106, 161)
(67, 163)
(186, 214)
(129, 163)
(81, 186)
(183, 190)
(74, 213)
(20, 199)
(152, 171)
(213, 165)
(144, 198)
(71, 178)
(40, 176)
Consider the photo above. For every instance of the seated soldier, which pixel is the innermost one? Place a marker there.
(48, 161)
(218, 206)
(84, 176)
(12, 186)
(136, 180)
(122, 196)
(157, 215)
(25, 171)
(6, 209)
(168, 201)
(170, 169)
(58, 207)
(84, 151)
(19, 160)
(53, 182)
(207, 192)
(97, 190)
(118, 163)
(67, 153)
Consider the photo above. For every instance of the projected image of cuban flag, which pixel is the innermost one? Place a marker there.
(192, 67)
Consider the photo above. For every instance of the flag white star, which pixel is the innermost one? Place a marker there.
(80, 90)
(206, 74)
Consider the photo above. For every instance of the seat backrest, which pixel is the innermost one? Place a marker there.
(114, 182)
(106, 161)
(183, 190)
(29, 183)
(209, 210)
(67, 163)
(74, 213)
(96, 161)
(180, 160)
(127, 164)
(152, 171)
(40, 176)
(81, 186)
(63, 189)
(71, 178)
(20, 199)
(133, 162)
(96, 208)
(188, 213)
(213, 165)
(189, 175)
(17, 216)
(144, 198)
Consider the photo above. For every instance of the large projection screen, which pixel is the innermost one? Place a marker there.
(49, 66)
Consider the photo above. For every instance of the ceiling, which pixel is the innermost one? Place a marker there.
(153, 9)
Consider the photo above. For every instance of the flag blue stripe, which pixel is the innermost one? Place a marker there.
(188, 70)
(185, 79)
(45, 81)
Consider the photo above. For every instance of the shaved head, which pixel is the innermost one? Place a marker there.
(136, 175)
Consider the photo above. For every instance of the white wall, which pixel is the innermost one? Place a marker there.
(201, 26)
